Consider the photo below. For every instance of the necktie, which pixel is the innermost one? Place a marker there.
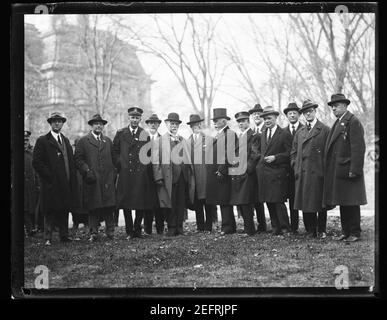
(269, 138)
(293, 130)
(59, 140)
(309, 126)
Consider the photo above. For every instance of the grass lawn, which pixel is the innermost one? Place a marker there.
(204, 260)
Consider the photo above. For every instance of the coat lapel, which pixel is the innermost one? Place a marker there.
(92, 140)
(52, 141)
(314, 132)
(338, 127)
(273, 138)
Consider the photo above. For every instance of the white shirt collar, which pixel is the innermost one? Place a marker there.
(55, 135)
(295, 125)
(133, 131)
(95, 136)
(244, 132)
(272, 130)
(313, 123)
(154, 136)
(220, 131)
(343, 115)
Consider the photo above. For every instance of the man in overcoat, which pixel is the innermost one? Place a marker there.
(292, 112)
(135, 186)
(307, 157)
(173, 174)
(53, 160)
(94, 160)
(273, 170)
(198, 143)
(344, 161)
(218, 176)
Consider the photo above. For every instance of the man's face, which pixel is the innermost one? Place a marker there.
(26, 142)
(309, 114)
(243, 124)
(257, 118)
(172, 126)
(220, 123)
(153, 126)
(270, 120)
(197, 127)
(97, 127)
(56, 125)
(134, 121)
(293, 116)
(339, 108)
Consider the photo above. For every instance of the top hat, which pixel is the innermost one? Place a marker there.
(292, 106)
(153, 118)
(56, 115)
(27, 133)
(96, 118)
(242, 115)
(220, 113)
(135, 111)
(307, 104)
(257, 108)
(268, 111)
(173, 116)
(338, 97)
(194, 118)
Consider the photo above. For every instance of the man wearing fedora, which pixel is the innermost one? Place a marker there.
(292, 113)
(307, 157)
(257, 131)
(344, 161)
(135, 186)
(54, 162)
(218, 177)
(244, 184)
(158, 214)
(94, 160)
(198, 143)
(173, 174)
(273, 170)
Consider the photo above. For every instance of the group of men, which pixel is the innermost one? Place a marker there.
(158, 176)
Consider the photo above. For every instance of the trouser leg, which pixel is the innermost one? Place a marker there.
(160, 218)
(310, 220)
(352, 217)
(48, 225)
(199, 212)
(182, 212)
(116, 215)
(107, 214)
(344, 218)
(128, 222)
(228, 219)
(248, 218)
(28, 222)
(273, 217)
(93, 221)
(63, 224)
(294, 216)
(209, 216)
(137, 228)
(148, 221)
(322, 221)
(260, 211)
(283, 217)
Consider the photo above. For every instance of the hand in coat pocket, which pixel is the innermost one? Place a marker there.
(90, 177)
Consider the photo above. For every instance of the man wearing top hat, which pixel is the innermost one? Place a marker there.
(135, 186)
(255, 114)
(307, 158)
(292, 112)
(54, 162)
(153, 123)
(198, 143)
(344, 161)
(244, 185)
(173, 174)
(94, 160)
(273, 170)
(218, 176)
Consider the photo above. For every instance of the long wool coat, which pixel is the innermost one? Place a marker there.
(135, 185)
(344, 153)
(244, 186)
(30, 183)
(92, 155)
(307, 158)
(57, 192)
(273, 178)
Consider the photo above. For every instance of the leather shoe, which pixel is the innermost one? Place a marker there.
(47, 243)
(322, 235)
(342, 237)
(352, 239)
(93, 238)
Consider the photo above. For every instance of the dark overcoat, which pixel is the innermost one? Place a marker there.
(135, 185)
(30, 183)
(244, 186)
(307, 158)
(344, 153)
(98, 157)
(219, 188)
(57, 192)
(273, 178)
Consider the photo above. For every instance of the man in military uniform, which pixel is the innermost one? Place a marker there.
(135, 186)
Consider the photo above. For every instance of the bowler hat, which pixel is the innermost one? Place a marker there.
(220, 113)
(242, 115)
(268, 111)
(153, 118)
(257, 108)
(135, 111)
(307, 104)
(96, 118)
(194, 118)
(56, 115)
(27, 133)
(338, 97)
(173, 116)
(291, 107)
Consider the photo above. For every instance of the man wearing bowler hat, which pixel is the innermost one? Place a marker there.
(54, 162)
(199, 144)
(135, 187)
(292, 112)
(344, 161)
(94, 160)
(153, 123)
(307, 158)
(273, 170)
(218, 177)
(173, 174)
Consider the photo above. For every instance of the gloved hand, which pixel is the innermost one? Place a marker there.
(90, 177)
(160, 182)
